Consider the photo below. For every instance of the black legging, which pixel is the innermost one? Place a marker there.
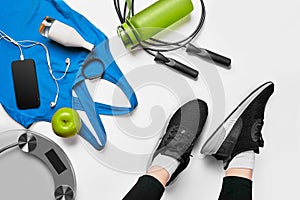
(148, 188)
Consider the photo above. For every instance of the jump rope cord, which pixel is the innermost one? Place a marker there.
(157, 45)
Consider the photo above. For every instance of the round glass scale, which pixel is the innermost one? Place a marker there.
(34, 167)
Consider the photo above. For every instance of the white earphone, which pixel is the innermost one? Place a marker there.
(53, 103)
(29, 44)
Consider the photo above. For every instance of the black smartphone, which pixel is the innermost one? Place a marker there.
(25, 84)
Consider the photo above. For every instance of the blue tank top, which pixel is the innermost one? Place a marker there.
(21, 20)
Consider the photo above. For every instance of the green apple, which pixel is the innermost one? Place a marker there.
(66, 122)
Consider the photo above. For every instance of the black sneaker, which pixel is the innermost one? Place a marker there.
(183, 130)
(241, 130)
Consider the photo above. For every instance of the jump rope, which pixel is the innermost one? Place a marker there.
(155, 47)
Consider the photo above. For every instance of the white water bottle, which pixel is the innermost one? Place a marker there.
(63, 34)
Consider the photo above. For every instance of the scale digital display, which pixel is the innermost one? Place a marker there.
(55, 161)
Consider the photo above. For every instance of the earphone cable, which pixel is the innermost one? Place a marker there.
(9, 39)
(28, 44)
(34, 43)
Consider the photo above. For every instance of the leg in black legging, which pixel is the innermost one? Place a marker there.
(236, 188)
(146, 188)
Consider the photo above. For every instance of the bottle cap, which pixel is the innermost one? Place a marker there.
(128, 35)
(46, 25)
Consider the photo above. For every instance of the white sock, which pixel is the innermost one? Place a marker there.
(167, 162)
(245, 159)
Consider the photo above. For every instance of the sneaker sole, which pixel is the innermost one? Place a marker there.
(214, 142)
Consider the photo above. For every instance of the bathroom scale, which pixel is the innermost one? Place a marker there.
(34, 167)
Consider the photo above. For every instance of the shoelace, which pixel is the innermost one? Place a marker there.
(258, 134)
(182, 138)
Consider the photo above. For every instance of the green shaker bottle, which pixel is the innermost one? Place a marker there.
(152, 20)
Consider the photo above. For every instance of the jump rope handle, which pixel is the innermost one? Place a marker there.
(209, 55)
(172, 63)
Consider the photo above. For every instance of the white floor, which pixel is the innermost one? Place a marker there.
(262, 38)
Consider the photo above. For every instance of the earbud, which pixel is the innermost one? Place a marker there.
(68, 61)
(52, 104)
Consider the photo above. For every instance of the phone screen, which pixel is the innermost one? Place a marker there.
(25, 84)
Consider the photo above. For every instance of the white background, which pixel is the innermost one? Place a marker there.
(262, 38)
